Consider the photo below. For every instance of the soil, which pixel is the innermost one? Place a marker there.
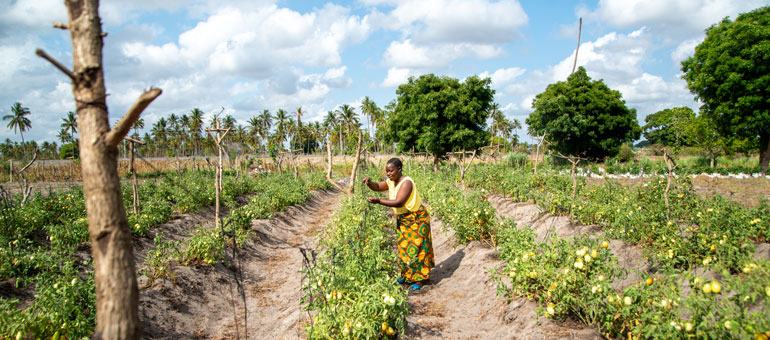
(462, 302)
(203, 302)
(748, 192)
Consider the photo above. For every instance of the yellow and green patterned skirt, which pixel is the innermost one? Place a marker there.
(415, 248)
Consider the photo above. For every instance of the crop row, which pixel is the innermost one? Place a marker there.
(350, 282)
(40, 243)
(573, 277)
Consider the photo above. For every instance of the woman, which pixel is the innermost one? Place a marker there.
(415, 248)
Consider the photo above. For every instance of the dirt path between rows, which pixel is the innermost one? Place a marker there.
(462, 301)
(200, 304)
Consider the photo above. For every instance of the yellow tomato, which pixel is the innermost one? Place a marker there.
(649, 281)
(707, 288)
(390, 331)
(605, 244)
(384, 327)
(715, 287)
(627, 301)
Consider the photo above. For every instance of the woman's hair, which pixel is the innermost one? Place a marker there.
(396, 162)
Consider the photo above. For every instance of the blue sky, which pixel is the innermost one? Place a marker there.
(250, 55)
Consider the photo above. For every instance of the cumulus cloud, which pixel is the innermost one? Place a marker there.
(682, 17)
(396, 76)
(437, 32)
(685, 50)
(252, 55)
(618, 60)
(503, 76)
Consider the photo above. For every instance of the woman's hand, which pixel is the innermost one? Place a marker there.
(373, 199)
(366, 180)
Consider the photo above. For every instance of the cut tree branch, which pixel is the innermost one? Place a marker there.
(124, 125)
(60, 25)
(40, 53)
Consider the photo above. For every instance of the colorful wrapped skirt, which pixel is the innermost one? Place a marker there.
(415, 248)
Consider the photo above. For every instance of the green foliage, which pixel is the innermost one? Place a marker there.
(69, 151)
(729, 74)
(441, 114)
(670, 127)
(351, 287)
(583, 118)
(571, 277)
(625, 154)
(517, 160)
(158, 262)
(469, 214)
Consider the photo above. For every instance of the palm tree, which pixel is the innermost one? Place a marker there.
(280, 127)
(70, 124)
(63, 136)
(330, 122)
(347, 115)
(267, 122)
(138, 124)
(159, 131)
(19, 119)
(196, 124)
(298, 129)
(369, 109)
(254, 126)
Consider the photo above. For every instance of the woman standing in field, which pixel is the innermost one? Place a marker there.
(415, 248)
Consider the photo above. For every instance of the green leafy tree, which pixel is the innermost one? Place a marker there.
(440, 115)
(704, 134)
(670, 127)
(18, 119)
(730, 74)
(583, 117)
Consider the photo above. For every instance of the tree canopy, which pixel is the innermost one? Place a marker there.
(441, 114)
(670, 127)
(583, 118)
(730, 74)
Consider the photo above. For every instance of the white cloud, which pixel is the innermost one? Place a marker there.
(396, 76)
(685, 50)
(434, 56)
(618, 60)
(681, 17)
(503, 76)
(453, 21)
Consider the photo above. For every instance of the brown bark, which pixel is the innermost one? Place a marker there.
(329, 169)
(114, 269)
(435, 163)
(464, 169)
(354, 171)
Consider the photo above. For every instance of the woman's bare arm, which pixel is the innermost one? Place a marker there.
(375, 186)
(401, 196)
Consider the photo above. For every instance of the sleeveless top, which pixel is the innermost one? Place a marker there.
(414, 201)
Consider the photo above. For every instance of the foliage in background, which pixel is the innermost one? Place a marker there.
(440, 114)
(729, 73)
(583, 118)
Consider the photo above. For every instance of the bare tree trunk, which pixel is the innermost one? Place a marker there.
(10, 171)
(135, 182)
(463, 170)
(671, 167)
(540, 141)
(114, 269)
(329, 169)
(354, 171)
(435, 163)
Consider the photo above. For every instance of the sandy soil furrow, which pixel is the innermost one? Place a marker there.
(203, 302)
(462, 301)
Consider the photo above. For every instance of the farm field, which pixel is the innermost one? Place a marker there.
(516, 257)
